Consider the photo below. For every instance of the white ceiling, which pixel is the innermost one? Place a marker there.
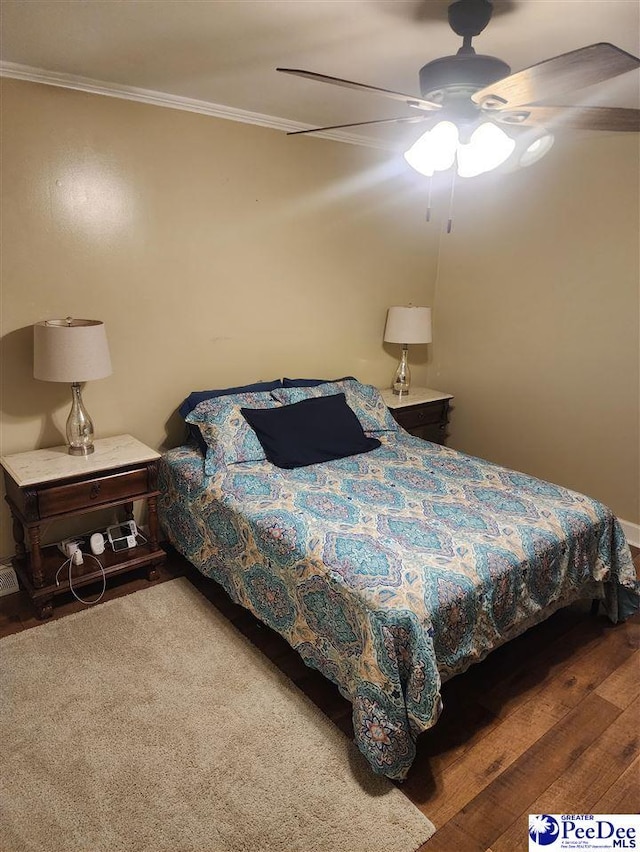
(225, 51)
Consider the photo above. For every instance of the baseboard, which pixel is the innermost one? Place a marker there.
(632, 532)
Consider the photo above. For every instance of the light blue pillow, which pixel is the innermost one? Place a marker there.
(196, 397)
(365, 400)
(228, 436)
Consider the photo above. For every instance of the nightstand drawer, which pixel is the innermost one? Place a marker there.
(59, 499)
(422, 415)
(436, 432)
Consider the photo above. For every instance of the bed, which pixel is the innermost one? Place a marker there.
(389, 570)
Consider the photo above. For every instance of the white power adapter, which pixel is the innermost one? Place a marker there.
(71, 549)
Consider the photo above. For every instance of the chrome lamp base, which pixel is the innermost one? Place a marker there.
(79, 425)
(402, 378)
(81, 451)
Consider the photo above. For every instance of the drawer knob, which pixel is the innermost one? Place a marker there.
(95, 490)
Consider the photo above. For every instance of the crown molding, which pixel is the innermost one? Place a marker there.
(163, 99)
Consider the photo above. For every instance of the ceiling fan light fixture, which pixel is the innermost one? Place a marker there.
(435, 150)
(537, 149)
(488, 148)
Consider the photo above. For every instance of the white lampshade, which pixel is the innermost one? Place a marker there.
(408, 325)
(70, 350)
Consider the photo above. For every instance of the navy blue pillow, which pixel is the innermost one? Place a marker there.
(308, 432)
(196, 397)
(311, 383)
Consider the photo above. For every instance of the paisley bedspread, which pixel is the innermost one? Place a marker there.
(394, 570)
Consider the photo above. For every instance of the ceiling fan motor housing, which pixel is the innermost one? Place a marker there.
(468, 18)
(467, 70)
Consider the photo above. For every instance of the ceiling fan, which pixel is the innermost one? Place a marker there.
(472, 90)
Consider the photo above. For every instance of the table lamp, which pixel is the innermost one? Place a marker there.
(73, 351)
(406, 325)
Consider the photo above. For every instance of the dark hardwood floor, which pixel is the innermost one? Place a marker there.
(549, 723)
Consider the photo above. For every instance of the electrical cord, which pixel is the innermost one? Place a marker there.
(68, 563)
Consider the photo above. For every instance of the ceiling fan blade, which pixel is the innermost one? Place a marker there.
(409, 100)
(576, 118)
(565, 73)
(406, 119)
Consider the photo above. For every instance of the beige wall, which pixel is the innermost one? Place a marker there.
(536, 310)
(217, 253)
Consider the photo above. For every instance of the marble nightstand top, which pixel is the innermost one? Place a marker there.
(416, 396)
(37, 466)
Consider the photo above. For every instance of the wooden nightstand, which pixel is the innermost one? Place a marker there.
(47, 485)
(422, 412)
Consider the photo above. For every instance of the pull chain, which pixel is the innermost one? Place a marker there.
(453, 185)
(428, 215)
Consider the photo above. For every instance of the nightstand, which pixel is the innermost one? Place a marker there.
(422, 412)
(48, 485)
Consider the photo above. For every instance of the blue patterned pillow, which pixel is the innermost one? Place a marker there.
(365, 400)
(196, 397)
(228, 436)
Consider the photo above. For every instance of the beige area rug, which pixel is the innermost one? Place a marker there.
(151, 723)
